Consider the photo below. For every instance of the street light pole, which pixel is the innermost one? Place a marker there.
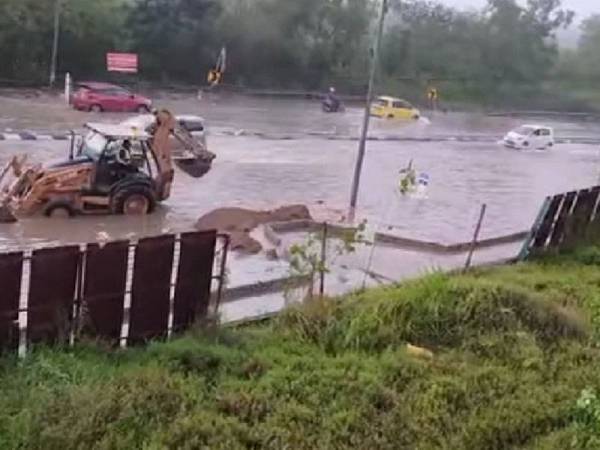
(367, 117)
(53, 62)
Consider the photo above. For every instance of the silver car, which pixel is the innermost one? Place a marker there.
(193, 124)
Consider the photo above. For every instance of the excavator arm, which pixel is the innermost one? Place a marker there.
(161, 149)
(196, 160)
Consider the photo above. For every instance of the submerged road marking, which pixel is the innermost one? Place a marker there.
(33, 136)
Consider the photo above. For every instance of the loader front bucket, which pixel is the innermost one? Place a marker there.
(6, 215)
(15, 165)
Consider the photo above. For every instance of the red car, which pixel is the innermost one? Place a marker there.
(98, 97)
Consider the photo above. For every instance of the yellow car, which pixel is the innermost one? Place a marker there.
(394, 108)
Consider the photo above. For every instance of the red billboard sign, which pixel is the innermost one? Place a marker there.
(122, 62)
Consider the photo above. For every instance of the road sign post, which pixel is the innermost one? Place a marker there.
(68, 87)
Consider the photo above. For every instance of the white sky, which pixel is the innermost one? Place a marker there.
(583, 8)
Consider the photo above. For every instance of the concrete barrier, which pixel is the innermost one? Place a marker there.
(262, 288)
(308, 226)
(571, 114)
(273, 287)
(437, 247)
(26, 135)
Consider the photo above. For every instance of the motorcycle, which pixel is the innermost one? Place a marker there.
(331, 105)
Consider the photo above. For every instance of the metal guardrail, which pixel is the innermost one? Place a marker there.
(456, 248)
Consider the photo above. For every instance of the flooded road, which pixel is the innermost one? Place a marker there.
(297, 162)
(252, 172)
(275, 116)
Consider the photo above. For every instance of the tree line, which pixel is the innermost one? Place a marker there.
(306, 44)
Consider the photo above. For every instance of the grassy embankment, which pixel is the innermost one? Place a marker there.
(514, 349)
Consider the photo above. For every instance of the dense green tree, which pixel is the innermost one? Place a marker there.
(430, 40)
(588, 55)
(304, 44)
(174, 38)
(88, 30)
(520, 44)
(25, 37)
(309, 44)
(487, 53)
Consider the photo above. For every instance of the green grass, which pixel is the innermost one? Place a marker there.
(514, 348)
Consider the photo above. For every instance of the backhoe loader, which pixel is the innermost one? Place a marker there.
(114, 169)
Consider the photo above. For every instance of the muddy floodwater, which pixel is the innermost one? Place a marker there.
(295, 161)
(255, 173)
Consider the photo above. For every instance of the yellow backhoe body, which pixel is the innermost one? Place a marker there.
(111, 180)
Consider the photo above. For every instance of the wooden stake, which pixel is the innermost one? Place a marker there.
(322, 269)
(475, 236)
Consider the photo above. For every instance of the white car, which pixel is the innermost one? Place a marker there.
(193, 124)
(530, 136)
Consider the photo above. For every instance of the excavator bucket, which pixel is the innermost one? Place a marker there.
(194, 166)
(196, 161)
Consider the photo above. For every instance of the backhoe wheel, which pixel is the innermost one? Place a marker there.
(133, 201)
(59, 209)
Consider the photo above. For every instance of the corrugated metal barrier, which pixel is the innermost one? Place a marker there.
(121, 292)
(565, 221)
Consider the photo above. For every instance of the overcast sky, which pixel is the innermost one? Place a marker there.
(581, 7)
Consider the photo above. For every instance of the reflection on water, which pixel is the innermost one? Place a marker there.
(41, 231)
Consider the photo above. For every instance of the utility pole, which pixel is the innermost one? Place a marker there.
(365, 127)
(53, 62)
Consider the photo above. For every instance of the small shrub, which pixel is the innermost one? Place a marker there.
(434, 311)
(312, 322)
(589, 256)
(254, 368)
(196, 357)
(120, 413)
(510, 357)
(246, 407)
(205, 430)
(587, 419)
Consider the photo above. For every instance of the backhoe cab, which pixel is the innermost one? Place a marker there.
(113, 169)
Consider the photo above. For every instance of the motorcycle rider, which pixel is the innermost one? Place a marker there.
(331, 100)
